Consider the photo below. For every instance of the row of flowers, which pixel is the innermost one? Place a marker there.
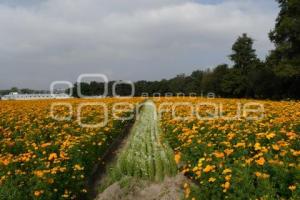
(45, 158)
(237, 159)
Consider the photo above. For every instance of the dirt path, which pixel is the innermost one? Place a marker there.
(145, 167)
(100, 171)
(169, 189)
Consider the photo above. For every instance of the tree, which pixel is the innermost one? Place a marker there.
(285, 59)
(262, 82)
(27, 91)
(237, 81)
(14, 89)
(286, 34)
(218, 76)
(243, 53)
(234, 84)
(177, 84)
(212, 80)
(196, 78)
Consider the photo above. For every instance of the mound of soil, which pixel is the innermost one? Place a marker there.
(170, 189)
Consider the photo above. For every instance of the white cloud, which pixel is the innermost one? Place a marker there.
(128, 39)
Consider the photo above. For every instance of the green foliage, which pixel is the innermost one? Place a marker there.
(234, 83)
(243, 53)
(286, 34)
(145, 156)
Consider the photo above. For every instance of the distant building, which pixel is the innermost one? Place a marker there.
(17, 96)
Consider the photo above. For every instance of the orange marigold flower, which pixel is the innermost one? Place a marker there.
(52, 156)
(292, 187)
(187, 192)
(228, 151)
(46, 144)
(78, 167)
(283, 153)
(226, 171)
(228, 177)
(227, 185)
(185, 185)
(198, 173)
(275, 147)
(37, 193)
(5, 162)
(209, 168)
(270, 136)
(219, 154)
(50, 180)
(257, 146)
(262, 175)
(230, 136)
(261, 161)
(63, 155)
(291, 135)
(240, 144)
(295, 153)
(177, 158)
(211, 179)
(258, 174)
(39, 173)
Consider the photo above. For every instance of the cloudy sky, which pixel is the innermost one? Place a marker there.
(46, 40)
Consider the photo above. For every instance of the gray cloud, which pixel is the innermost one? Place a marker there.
(128, 39)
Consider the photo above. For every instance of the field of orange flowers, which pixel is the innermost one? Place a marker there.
(45, 157)
(237, 158)
(50, 155)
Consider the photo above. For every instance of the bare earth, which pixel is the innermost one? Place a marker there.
(169, 189)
